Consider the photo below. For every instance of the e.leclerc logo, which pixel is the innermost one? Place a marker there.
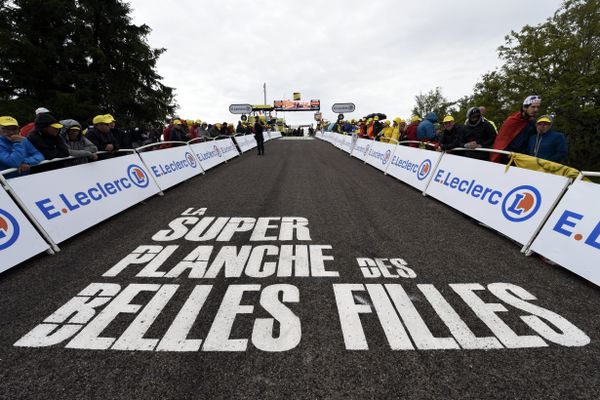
(217, 150)
(66, 202)
(191, 159)
(137, 176)
(9, 230)
(424, 169)
(521, 203)
(518, 205)
(421, 170)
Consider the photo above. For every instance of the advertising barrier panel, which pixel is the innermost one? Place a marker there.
(361, 148)
(19, 240)
(379, 154)
(70, 200)
(214, 152)
(275, 134)
(413, 166)
(571, 236)
(348, 143)
(171, 166)
(513, 202)
(246, 142)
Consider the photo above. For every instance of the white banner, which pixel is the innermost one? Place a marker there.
(214, 152)
(246, 142)
(361, 148)
(513, 202)
(275, 134)
(171, 166)
(571, 236)
(19, 240)
(348, 143)
(413, 166)
(69, 200)
(379, 154)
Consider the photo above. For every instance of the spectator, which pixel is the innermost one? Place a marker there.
(179, 131)
(516, 130)
(483, 111)
(239, 128)
(124, 136)
(478, 133)
(452, 135)
(377, 127)
(386, 132)
(203, 132)
(548, 144)
(216, 130)
(411, 130)
(370, 128)
(26, 129)
(426, 129)
(15, 150)
(45, 137)
(100, 134)
(79, 146)
(258, 135)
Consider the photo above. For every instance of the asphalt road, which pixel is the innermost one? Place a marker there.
(314, 348)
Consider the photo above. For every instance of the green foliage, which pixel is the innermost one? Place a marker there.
(560, 61)
(79, 58)
(434, 101)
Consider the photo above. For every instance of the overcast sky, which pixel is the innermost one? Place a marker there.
(376, 54)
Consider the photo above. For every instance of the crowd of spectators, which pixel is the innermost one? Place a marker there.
(47, 138)
(522, 132)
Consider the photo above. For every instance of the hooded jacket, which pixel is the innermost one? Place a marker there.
(81, 148)
(426, 130)
(551, 146)
(453, 138)
(50, 146)
(481, 132)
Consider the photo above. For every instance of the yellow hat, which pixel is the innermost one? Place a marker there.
(177, 122)
(112, 119)
(8, 121)
(102, 119)
(376, 118)
(448, 118)
(386, 122)
(75, 128)
(56, 125)
(415, 118)
(544, 118)
(198, 121)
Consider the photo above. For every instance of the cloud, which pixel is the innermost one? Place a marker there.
(377, 54)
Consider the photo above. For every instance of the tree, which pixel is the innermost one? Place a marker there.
(79, 59)
(560, 61)
(434, 101)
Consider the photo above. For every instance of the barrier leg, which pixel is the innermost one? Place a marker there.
(432, 174)
(150, 173)
(53, 246)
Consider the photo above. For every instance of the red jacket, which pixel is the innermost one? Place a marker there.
(411, 133)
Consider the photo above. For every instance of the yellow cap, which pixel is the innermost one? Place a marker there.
(56, 125)
(177, 122)
(376, 118)
(544, 118)
(448, 118)
(75, 128)
(8, 121)
(102, 119)
(386, 122)
(112, 119)
(415, 118)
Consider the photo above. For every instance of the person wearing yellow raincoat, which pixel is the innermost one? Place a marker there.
(397, 129)
(386, 132)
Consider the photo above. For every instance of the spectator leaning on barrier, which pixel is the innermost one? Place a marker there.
(452, 135)
(548, 143)
(15, 150)
(79, 146)
(25, 129)
(426, 129)
(477, 133)
(516, 130)
(483, 111)
(411, 130)
(100, 134)
(386, 132)
(45, 137)
(179, 131)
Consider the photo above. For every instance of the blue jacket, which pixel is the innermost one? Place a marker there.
(426, 130)
(552, 146)
(13, 154)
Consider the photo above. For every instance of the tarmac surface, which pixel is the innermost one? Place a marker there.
(312, 334)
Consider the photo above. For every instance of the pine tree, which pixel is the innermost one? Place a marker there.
(79, 59)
